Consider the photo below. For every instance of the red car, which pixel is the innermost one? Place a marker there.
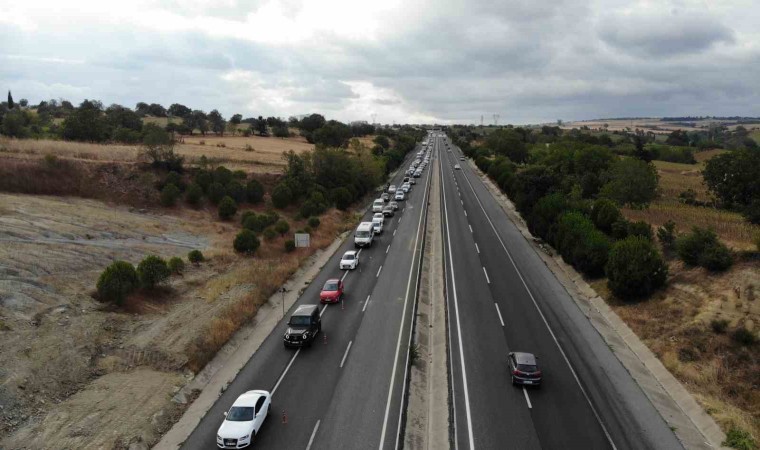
(332, 291)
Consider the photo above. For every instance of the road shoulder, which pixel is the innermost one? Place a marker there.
(691, 424)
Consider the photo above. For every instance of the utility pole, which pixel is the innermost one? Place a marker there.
(496, 119)
(374, 116)
(481, 120)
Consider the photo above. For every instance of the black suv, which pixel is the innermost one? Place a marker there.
(524, 369)
(303, 326)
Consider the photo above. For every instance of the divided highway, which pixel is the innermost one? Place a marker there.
(346, 391)
(501, 298)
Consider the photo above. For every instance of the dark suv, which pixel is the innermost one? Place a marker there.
(303, 326)
(524, 369)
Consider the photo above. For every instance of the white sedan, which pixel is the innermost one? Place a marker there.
(350, 260)
(244, 420)
(399, 196)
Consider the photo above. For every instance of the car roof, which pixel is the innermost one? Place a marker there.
(249, 398)
(525, 358)
(350, 252)
(334, 280)
(305, 310)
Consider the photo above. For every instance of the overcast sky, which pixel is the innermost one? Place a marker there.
(415, 61)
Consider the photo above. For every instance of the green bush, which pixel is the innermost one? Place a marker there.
(222, 175)
(176, 265)
(314, 222)
(631, 182)
(604, 213)
(116, 282)
(246, 242)
(719, 325)
(635, 269)
(269, 234)
(666, 234)
(701, 247)
(581, 244)
(236, 191)
(281, 196)
(175, 179)
(216, 192)
(543, 218)
(740, 439)
(619, 229)
(254, 191)
(641, 229)
(195, 257)
(227, 208)
(169, 195)
(312, 207)
(194, 194)
(204, 178)
(744, 337)
(240, 174)
(716, 257)
(152, 270)
(341, 197)
(290, 245)
(282, 227)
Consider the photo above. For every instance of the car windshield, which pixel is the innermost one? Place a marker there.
(300, 321)
(331, 286)
(362, 234)
(348, 257)
(526, 368)
(240, 414)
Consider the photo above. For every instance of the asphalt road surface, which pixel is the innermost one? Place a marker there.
(346, 391)
(501, 297)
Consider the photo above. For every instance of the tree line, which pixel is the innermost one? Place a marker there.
(92, 121)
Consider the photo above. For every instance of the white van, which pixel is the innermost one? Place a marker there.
(364, 235)
(378, 205)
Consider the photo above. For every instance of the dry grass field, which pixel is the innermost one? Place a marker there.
(677, 323)
(653, 124)
(252, 154)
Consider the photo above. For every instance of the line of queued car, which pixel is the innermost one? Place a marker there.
(247, 414)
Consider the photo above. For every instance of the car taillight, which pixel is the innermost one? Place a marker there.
(516, 372)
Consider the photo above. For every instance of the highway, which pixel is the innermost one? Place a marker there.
(346, 391)
(501, 297)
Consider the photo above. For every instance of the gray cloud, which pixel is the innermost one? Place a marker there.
(450, 60)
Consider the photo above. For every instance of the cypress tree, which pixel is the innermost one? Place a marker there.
(10, 100)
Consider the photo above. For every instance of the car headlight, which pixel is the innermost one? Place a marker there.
(245, 437)
(218, 438)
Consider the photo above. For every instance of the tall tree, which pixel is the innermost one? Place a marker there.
(10, 100)
(217, 122)
(179, 110)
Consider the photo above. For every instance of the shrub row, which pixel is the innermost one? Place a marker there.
(121, 278)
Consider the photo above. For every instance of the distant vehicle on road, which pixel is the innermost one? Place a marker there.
(377, 224)
(388, 211)
(243, 420)
(377, 205)
(412, 181)
(392, 189)
(332, 291)
(349, 260)
(364, 235)
(393, 205)
(385, 196)
(457, 167)
(524, 369)
(399, 196)
(303, 326)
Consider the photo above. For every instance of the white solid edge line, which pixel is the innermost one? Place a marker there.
(498, 311)
(486, 274)
(282, 375)
(459, 329)
(400, 333)
(546, 323)
(527, 399)
(313, 433)
(342, 361)
(378, 271)
(366, 302)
